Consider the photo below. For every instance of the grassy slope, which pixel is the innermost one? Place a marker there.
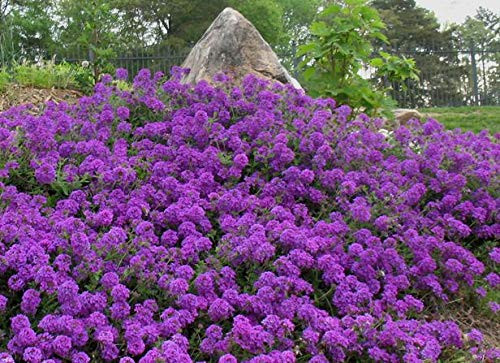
(467, 118)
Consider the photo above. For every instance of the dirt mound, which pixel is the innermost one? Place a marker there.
(16, 95)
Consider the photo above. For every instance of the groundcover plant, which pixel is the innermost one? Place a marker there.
(177, 223)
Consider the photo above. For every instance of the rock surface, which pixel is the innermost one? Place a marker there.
(403, 115)
(234, 46)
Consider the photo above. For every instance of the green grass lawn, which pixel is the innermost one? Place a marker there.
(466, 118)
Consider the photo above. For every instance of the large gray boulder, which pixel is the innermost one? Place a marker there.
(233, 45)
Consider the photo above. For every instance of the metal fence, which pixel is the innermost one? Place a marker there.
(155, 58)
(449, 77)
(462, 76)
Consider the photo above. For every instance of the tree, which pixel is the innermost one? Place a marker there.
(415, 31)
(298, 16)
(265, 15)
(26, 29)
(90, 29)
(180, 23)
(482, 34)
(490, 19)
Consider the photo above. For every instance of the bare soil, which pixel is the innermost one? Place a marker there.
(16, 95)
(467, 318)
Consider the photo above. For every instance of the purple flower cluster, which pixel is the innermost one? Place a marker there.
(182, 223)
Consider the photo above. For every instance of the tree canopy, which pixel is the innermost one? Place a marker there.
(416, 30)
(49, 26)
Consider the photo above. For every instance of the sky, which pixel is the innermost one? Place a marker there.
(457, 10)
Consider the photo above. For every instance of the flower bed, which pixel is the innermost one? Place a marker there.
(177, 223)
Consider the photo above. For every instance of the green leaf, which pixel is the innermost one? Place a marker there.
(224, 158)
(384, 54)
(380, 36)
(319, 29)
(377, 62)
(332, 9)
(308, 73)
(307, 48)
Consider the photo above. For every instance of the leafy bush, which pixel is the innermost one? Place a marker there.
(177, 223)
(341, 48)
(84, 78)
(45, 75)
(50, 75)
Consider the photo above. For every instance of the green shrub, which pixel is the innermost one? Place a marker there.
(45, 75)
(341, 48)
(84, 78)
(49, 75)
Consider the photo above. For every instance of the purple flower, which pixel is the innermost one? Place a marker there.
(494, 306)
(121, 74)
(220, 309)
(123, 113)
(240, 161)
(155, 244)
(105, 336)
(109, 280)
(414, 194)
(31, 300)
(32, 355)
(62, 345)
(120, 293)
(19, 322)
(6, 358)
(67, 292)
(106, 78)
(475, 335)
(80, 357)
(178, 287)
(201, 117)
(45, 173)
(360, 210)
(228, 358)
(495, 254)
(493, 279)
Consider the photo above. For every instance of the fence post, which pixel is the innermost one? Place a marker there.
(474, 74)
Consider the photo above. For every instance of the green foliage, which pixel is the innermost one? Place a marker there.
(181, 23)
(394, 68)
(7, 47)
(84, 78)
(48, 75)
(341, 48)
(266, 15)
(92, 27)
(177, 24)
(4, 79)
(99, 30)
(482, 33)
(26, 29)
(411, 28)
(297, 18)
(45, 75)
